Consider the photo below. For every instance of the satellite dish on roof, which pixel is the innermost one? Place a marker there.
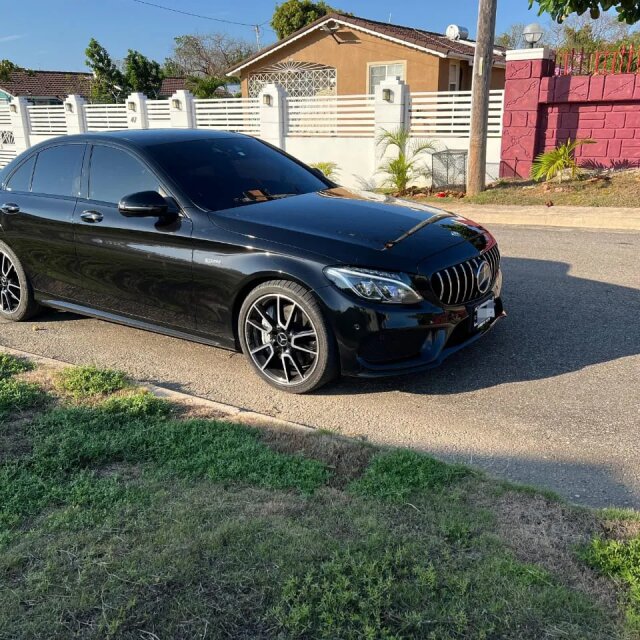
(456, 32)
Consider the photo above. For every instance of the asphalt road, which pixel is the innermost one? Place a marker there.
(550, 397)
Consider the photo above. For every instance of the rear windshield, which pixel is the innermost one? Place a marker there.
(222, 173)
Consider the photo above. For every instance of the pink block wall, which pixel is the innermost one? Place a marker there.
(543, 111)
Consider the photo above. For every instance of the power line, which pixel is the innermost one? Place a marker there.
(197, 15)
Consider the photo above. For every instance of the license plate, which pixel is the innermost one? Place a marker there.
(484, 313)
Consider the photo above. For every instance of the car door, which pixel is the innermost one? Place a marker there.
(38, 203)
(134, 266)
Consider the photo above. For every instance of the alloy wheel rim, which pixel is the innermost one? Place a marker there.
(10, 289)
(281, 339)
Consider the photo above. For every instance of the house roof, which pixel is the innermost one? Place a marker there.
(171, 85)
(427, 41)
(60, 84)
(47, 84)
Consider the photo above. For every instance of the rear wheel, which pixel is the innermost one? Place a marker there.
(16, 296)
(286, 338)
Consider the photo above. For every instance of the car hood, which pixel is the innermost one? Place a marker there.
(354, 227)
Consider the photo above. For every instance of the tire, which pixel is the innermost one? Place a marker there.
(14, 283)
(286, 338)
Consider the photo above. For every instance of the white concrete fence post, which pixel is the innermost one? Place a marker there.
(391, 100)
(74, 114)
(273, 114)
(137, 117)
(19, 115)
(181, 108)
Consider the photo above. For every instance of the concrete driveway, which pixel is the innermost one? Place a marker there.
(550, 397)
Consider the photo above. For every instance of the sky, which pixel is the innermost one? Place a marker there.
(53, 34)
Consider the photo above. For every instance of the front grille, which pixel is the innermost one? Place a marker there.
(459, 284)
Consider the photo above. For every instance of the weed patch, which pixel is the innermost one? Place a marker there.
(620, 560)
(86, 382)
(396, 475)
(10, 365)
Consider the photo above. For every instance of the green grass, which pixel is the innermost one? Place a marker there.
(620, 560)
(16, 395)
(397, 475)
(120, 519)
(10, 365)
(85, 382)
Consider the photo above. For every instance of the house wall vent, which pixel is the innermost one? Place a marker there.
(456, 32)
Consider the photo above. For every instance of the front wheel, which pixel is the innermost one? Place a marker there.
(16, 296)
(286, 338)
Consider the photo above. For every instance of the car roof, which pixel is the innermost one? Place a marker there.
(148, 137)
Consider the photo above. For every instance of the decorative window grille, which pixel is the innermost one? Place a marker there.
(6, 137)
(299, 79)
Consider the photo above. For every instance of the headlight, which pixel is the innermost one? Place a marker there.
(376, 286)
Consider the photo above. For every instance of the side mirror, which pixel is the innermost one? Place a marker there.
(144, 204)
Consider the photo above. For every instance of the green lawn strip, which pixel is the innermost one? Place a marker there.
(620, 561)
(236, 562)
(123, 521)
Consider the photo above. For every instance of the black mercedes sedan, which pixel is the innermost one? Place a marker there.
(223, 239)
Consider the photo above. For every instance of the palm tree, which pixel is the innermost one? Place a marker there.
(553, 163)
(405, 166)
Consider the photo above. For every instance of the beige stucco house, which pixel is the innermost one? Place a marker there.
(342, 55)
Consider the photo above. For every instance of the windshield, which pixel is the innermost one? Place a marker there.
(222, 173)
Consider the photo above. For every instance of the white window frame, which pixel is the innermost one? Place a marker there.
(454, 65)
(385, 63)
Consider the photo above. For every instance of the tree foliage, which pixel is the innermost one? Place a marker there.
(512, 38)
(108, 81)
(207, 55)
(555, 162)
(405, 165)
(113, 83)
(628, 10)
(6, 69)
(142, 74)
(295, 14)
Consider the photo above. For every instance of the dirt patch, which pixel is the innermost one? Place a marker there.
(621, 529)
(345, 458)
(541, 531)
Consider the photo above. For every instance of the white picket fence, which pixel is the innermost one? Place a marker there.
(447, 114)
(349, 116)
(241, 115)
(341, 129)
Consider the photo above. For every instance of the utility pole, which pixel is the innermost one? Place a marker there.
(480, 86)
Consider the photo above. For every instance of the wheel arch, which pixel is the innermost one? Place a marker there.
(249, 285)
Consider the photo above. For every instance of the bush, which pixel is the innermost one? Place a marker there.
(554, 163)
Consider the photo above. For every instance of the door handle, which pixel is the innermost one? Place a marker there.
(91, 216)
(10, 207)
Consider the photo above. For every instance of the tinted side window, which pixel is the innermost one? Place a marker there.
(21, 179)
(115, 174)
(58, 170)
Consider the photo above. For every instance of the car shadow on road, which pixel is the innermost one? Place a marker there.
(557, 323)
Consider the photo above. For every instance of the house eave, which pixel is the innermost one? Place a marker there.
(287, 41)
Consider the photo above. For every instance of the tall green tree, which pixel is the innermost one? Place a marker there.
(295, 14)
(142, 74)
(108, 81)
(628, 10)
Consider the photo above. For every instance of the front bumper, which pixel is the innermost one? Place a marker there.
(376, 340)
